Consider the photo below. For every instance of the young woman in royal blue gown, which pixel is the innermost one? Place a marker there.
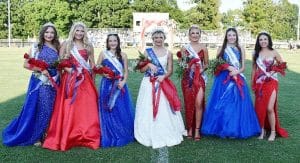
(30, 126)
(115, 105)
(230, 111)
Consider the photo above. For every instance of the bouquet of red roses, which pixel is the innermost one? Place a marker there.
(142, 61)
(42, 65)
(279, 67)
(186, 61)
(64, 63)
(104, 70)
(36, 62)
(217, 65)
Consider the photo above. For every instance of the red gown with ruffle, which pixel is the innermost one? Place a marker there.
(263, 92)
(190, 89)
(75, 120)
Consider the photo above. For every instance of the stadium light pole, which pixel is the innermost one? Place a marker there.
(298, 30)
(9, 25)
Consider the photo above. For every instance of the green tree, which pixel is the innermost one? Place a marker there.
(37, 13)
(105, 13)
(278, 18)
(17, 18)
(286, 21)
(257, 14)
(3, 20)
(168, 6)
(205, 14)
(232, 18)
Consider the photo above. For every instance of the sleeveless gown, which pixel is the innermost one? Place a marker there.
(75, 120)
(228, 113)
(117, 123)
(190, 86)
(263, 93)
(167, 129)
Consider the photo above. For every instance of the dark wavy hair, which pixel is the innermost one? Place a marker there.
(257, 48)
(118, 49)
(55, 40)
(225, 42)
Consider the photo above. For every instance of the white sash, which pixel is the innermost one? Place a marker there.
(113, 59)
(34, 51)
(35, 54)
(79, 59)
(192, 52)
(233, 59)
(262, 66)
(43, 78)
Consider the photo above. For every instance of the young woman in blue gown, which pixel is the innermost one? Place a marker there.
(30, 126)
(230, 112)
(115, 105)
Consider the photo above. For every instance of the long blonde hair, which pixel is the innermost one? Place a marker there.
(70, 41)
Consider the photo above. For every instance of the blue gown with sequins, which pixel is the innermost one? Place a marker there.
(30, 126)
(117, 123)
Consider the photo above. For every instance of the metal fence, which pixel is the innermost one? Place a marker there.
(129, 38)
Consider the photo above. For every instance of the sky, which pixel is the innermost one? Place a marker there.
(225, 4)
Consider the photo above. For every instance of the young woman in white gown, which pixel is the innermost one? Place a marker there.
(158, 121)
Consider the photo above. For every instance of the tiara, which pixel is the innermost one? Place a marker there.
(49, 24)
(195, 26)
(112, 33)
(156, 30)
(264, 32)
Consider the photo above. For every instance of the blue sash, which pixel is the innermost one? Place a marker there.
(155, 61)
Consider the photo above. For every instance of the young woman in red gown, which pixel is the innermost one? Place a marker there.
(75, 120)
(193, 81)
(266, 64)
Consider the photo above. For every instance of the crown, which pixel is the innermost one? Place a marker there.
(263, 32)
(195, 26)
(49, 24)
(112, 33)
(156, 30)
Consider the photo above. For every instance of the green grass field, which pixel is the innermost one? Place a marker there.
(13, 85)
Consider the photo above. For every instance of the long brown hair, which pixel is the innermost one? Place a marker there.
(55, 40)
(257, 48)
(118, 49)
(220, 55)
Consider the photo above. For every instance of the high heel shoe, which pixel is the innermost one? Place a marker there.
(38, 144)
(272, 136)
(197, 138)
(262, 134)
(190, 134)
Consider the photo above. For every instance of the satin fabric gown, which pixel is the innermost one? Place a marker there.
(228, 113)
(116, 122)
(75, 120)
(263, 93)
(167, 129)
(30, 126)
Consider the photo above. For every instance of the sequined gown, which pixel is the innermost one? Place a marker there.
(191, 84)
(30, 126)
(75, 120)
(263, 89)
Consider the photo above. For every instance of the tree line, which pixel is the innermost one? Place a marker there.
(277, 17)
